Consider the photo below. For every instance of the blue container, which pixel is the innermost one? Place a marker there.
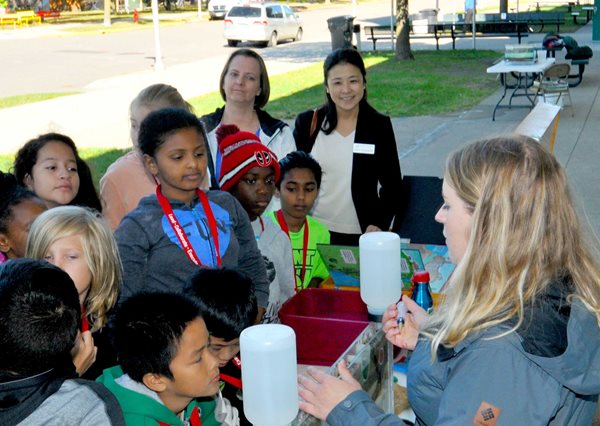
(422, 291)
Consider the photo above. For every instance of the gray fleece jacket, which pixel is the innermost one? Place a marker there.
(546, 373)
(52, 399)
(153, 259)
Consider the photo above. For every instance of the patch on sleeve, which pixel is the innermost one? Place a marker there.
(487, 415)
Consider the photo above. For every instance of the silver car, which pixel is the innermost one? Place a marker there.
(267, 23)
(217, 9)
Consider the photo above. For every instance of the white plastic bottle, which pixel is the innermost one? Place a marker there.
(380, 271)
(269, 374)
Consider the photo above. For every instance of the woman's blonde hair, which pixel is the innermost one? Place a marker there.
(525, 234)
(159, 96)
(99, 248)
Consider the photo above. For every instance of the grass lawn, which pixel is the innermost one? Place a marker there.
(436, 82)
(12, 101)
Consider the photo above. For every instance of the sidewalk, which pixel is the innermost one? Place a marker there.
(99, 116)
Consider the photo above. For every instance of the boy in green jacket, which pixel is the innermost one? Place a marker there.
(163, 346)
(226, 298)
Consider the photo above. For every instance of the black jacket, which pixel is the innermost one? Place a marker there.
(278, 137)
(373, 207)
(268, 124)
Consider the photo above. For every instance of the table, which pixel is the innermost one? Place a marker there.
(589, 12)
(574, 15)
(526, 73)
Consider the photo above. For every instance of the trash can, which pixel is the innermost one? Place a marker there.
(427, 17)
(356, 31)
(341, 28)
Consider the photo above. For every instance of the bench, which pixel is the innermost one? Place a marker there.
(538, 20)
(437, 31)
(502, 28)
(19, 18)
(44, 14)
(378, 32)
(581, 63)
(10, 19)
(28, 17)
(451, 30)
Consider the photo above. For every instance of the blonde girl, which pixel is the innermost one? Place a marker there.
(80, 242)
(127, 181)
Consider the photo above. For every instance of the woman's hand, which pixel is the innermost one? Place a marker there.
(373, 228)
(322, 392)
(404, 336)
(84, 352)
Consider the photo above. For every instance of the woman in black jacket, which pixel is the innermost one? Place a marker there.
(355, 145)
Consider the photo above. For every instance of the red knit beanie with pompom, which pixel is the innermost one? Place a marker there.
(240, 152)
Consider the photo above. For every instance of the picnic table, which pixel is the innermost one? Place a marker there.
(44, 14)
(9, 19)
(19, 18)
(589, 12)
(526, 72)
(537, 21)
(451, 30)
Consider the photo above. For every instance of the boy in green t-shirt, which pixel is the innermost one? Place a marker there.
(297, 190)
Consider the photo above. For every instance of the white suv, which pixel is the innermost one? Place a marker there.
(266, 23)
(217, 9)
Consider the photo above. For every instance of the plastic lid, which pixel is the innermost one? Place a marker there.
(420, 277)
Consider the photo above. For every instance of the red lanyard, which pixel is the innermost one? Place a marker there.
(85, 324)
(234, 381)
(284, 227)
(183, 239)
(195, 419)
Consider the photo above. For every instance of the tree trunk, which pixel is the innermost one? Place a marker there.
(503, 6)
(403, 51)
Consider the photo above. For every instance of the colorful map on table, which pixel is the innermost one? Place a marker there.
(431, 258)
(343, 263)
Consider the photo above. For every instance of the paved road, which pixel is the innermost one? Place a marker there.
(58, 62)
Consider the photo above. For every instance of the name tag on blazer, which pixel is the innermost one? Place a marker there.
(363, 148)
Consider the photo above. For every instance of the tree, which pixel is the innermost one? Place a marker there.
(503, 6)
(403, 51)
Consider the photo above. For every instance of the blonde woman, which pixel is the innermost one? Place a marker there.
(516, 340)
(245, 89)
(127, 180)
(80, 242)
